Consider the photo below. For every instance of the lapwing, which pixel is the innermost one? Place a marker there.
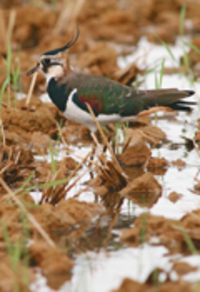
(110, 101)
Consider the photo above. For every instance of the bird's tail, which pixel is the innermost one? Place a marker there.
(171, 98)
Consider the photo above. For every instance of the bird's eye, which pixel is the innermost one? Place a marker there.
(46, 61)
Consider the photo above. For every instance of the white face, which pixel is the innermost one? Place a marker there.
(54, 71)
(51, 67)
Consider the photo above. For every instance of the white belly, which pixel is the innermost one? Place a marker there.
(76, 114)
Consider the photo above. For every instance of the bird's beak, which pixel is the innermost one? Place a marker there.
(33, 70)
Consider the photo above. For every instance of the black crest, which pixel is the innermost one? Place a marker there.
(67, 46)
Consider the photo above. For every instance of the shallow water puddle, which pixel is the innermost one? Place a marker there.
(110, 269)
(91, 268)
(105, 271)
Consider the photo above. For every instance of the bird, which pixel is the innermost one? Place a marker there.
(110, 101)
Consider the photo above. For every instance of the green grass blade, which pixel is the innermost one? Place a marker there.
(156, 81)
(192, 46)
(151, 69)
(189, 242)
(162, 72)
(182, 19)
(53, 161)
(3, 88)
(186, 61)
(16, 254)
(6, 237)
(45, 185)
(27, 181)
(8, 60)
(54, 183)
(168, 50)
(187, 238)
(166, 47)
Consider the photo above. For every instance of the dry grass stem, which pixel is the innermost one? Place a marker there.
(95, 139)
(68, 16)
(77, 169)
(196, 147)
(79, 165)
(155, 110)
(31, 88)
(78, 178)
(98, 145)
(86, 189)
(3, 34)
(30, 217)
(11, 24)
(5, 167)
(3, 133)
(60, 191)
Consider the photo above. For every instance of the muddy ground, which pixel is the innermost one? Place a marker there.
(50, 234)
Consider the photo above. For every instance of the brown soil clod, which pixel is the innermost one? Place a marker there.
(158, 166)
(55, 265)
(174, 197)
(136, 155)
(144, 190)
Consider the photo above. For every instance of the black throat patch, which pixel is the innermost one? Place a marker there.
(58, 93)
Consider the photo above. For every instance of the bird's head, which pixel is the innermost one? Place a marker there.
(52, 63)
